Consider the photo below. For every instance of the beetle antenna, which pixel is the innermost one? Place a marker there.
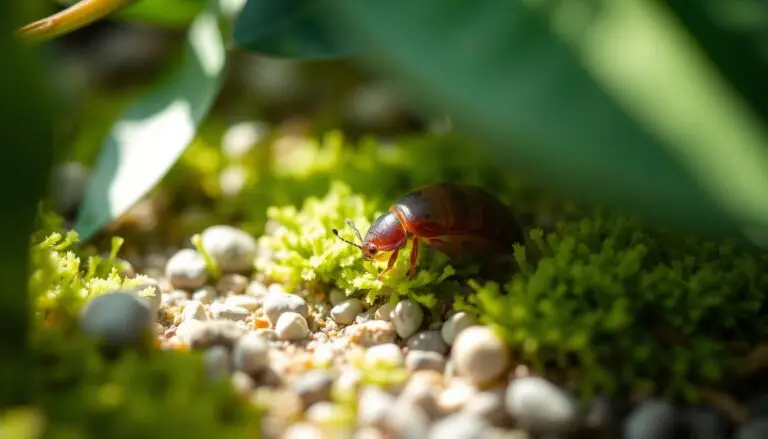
(336, 232)
(354, 229)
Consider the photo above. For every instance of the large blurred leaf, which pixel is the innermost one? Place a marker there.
(659, 134)
(290, 28)
(149, 137)
(734, 34)
(27, 127)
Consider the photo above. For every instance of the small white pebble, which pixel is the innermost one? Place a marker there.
(345, 312)
(454, 325)
(205, 294)
(336, 296)
(186, 328)
(291, 326)
(186, 269)
(453, 398)
(480, 355)
(247, 302)
(407, 317)
(384, 355)
(232, 249)
(228, 312)
(427, 341)
(194, 310)
(277, 303)
(250, 354)
(384, 312)
(217, 363)
(120, 318)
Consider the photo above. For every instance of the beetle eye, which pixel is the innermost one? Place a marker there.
(371, 248)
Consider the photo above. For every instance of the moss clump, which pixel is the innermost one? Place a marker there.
(617, 307)
(81, 394)
(305, 251)
(75, 390)
(60, 284)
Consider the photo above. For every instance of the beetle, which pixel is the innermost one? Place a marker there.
(454, 218)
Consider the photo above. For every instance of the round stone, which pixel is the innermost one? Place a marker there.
(540, 406)
(232, 249)
(460, 426)
(277, 303)
(454, 325)
(428, 341)
(186, 269)
(205, 294)
(291, 326)
(480, 355)
(336, 296)
(384, 312)
(194, 310)
(407, 317)
(217, 364)
(215, 332)
(653, 419)
(344, 312)
(120, 318)
(313, 386)
(388, 355)
(247, 302)
(250, 354)
(424, 360)
(370, 333)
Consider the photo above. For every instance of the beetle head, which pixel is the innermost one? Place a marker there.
(368, 249)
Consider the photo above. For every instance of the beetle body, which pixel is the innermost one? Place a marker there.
(456, 219)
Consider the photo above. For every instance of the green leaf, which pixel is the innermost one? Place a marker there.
(606, 101)
(153, 132)
(26, 120)
(719, 27)
(291, 29)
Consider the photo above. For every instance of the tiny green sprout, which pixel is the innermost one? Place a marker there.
(211, 265)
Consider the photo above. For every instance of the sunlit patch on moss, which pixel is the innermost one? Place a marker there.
(306, 251)
(616, 307)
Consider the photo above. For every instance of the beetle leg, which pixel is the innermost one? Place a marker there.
(414, 257)
(390, 263)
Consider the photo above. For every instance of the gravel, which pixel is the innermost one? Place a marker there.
(328, 365)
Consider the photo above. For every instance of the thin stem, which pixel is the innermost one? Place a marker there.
(74, 17)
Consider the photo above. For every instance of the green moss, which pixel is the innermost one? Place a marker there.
(614, 306)
(80, 394)
(60, 283)
(78, 391)
(307, 252)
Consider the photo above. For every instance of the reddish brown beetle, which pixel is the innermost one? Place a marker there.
(454, 218)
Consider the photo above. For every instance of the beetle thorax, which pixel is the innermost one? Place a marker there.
(386, 234)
